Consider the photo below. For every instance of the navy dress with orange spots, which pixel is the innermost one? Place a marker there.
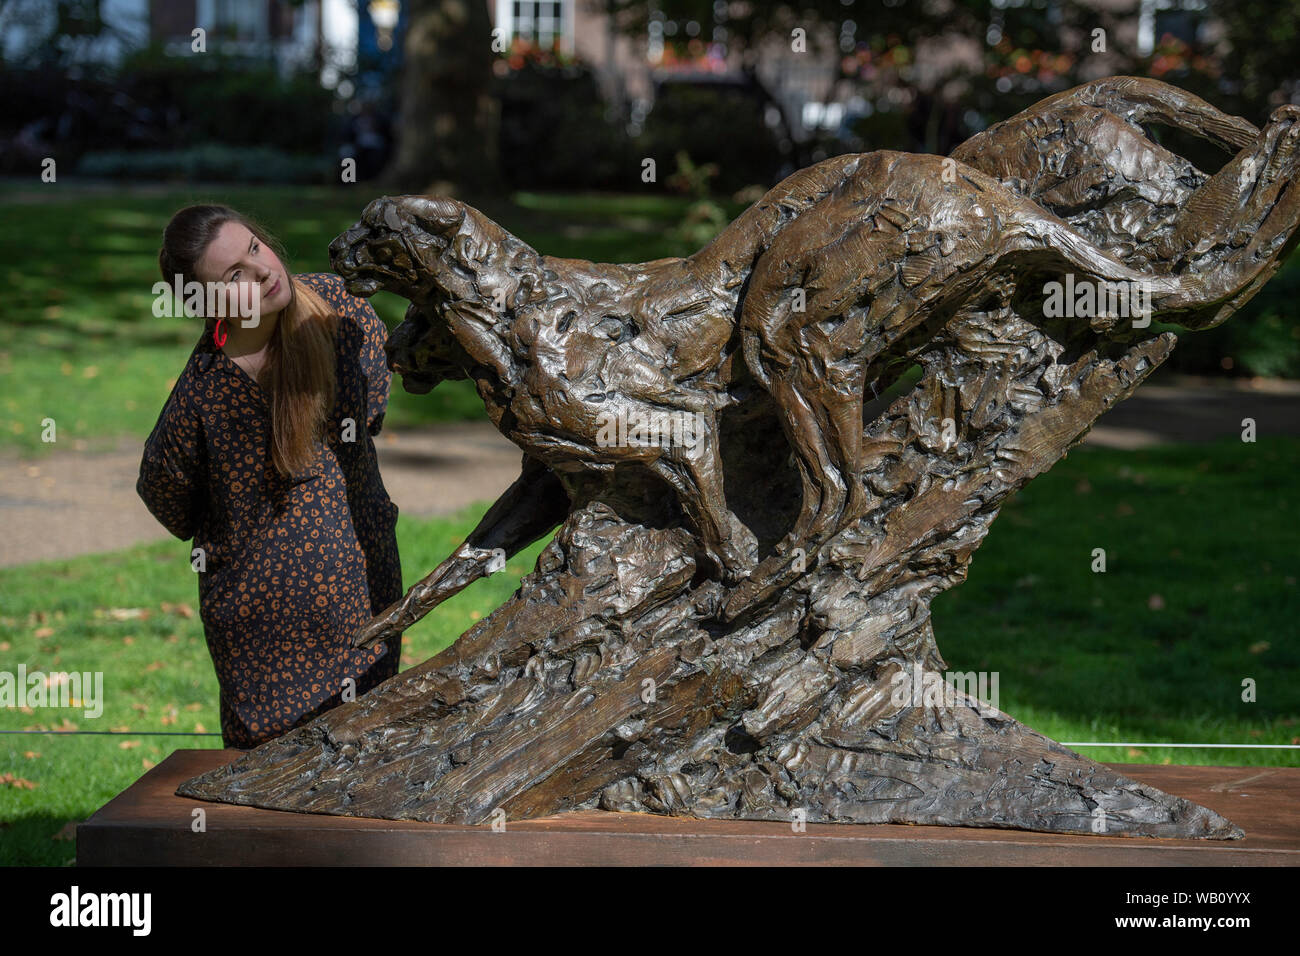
(292, 565)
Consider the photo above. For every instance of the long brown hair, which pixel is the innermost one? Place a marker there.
(301, 355)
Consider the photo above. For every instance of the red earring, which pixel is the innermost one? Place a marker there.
(217, 331)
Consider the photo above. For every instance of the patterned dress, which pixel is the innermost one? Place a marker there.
(291, 566)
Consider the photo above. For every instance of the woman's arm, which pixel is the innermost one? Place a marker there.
(373, 358)
(173, 469)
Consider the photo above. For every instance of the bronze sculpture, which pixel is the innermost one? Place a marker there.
(720, 624)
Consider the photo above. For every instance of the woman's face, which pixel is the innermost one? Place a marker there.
(237, 257)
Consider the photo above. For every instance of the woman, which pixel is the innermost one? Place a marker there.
(263, 455)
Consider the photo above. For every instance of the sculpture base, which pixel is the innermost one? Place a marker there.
(148, 825)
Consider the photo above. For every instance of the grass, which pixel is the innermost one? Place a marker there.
(1081, 656)
(132, 615)
(1198, 595)
(79, 342)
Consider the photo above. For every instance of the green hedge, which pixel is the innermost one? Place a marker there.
(212, 162)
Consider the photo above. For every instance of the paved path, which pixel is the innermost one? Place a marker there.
(72, 503)
(1194, 410)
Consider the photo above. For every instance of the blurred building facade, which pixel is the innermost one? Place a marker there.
(362, 39)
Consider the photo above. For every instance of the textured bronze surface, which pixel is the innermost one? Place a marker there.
(722, 623)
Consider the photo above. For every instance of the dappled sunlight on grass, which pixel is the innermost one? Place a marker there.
(80, 293)
(1198, 594)
(133, 615)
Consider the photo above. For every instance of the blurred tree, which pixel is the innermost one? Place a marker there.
(934, 71)
(555, 132)
(446, 130)
(1262, 38)
(57, 33)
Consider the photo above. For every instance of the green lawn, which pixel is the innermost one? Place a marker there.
(1081, 656)
(1199, 594)
(133, 615)
(78, 339)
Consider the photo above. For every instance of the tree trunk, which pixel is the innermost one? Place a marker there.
(447, 134)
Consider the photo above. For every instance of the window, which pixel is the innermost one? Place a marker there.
(542, 22)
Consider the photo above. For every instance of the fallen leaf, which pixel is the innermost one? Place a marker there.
(1259, 647)
(199, 728)
(155, 666)
(18, 783)
(1134, 752)
(31, 754)
(43, 632)
(1156, 602)
(128, 745)
(194, 706)
(148, 764)
(128, 613)
(120, 730)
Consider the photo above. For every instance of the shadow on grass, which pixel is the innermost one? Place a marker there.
(31, 841)
(1192, 614)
